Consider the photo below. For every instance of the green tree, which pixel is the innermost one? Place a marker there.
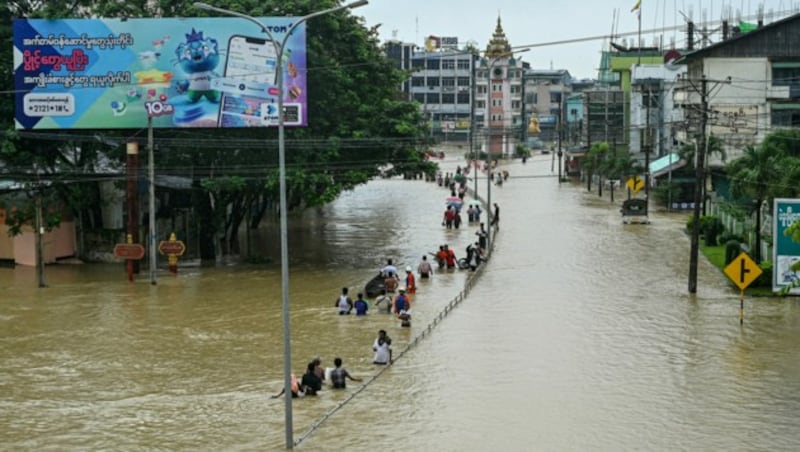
(358, 124)
(593, 161)
(751, 177)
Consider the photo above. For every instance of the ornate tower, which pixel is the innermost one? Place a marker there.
(499, 82)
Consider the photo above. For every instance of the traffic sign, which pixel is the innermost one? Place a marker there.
(743, 271)
(635, 184)
(133, 251)
(175, 247)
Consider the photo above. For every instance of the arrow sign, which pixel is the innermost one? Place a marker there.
(743, 271)
(635, 184)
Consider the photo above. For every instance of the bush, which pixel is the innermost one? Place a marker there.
(733, 248)
(727, 236)
(711, 227)
(765, 278)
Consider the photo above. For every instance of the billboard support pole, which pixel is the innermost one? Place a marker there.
(132, 166)
(152, 196)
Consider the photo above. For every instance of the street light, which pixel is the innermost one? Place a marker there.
(287, 371)
(488, 121)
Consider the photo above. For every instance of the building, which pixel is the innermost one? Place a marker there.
(499, 102)
(655, 121)
(750, 83)
(546, 93)
(441, 83)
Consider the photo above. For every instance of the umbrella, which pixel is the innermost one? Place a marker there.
(454, 201)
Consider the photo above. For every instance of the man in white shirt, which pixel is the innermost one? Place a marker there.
(389, 269)
(382, 348)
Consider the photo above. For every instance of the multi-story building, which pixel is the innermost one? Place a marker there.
(546, 92)
(654, 118)
(743, 87)
(441, 82)
(499, 102)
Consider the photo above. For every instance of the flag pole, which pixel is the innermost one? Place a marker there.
(639, 35)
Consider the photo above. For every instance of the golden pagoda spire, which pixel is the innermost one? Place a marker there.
(499, 44)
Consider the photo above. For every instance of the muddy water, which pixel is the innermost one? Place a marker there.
(579, 335)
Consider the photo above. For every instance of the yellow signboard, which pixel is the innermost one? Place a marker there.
(635, 184)
(743, 271)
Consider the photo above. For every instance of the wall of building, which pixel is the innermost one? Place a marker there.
(58, 243)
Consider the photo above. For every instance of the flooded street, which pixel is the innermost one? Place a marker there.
(579, 335)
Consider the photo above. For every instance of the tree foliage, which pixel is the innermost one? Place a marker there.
(358, 124)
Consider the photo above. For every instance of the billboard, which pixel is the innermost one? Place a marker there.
(785, 251)
(181, 72)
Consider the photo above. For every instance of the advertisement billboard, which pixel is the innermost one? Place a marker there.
(785, 251)
(182, 72)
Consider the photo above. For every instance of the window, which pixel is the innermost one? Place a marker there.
(432, 64)
(481, 89)
(480, 104)
(787, 74)
(555, 98)
(433, 98)
(497, 87)
(531, 98)
(417, 81)
(784, 115)
(651, 99)
(448, 64)
(448, 98)
(463, 64)
(516, 89)
(515, 104)
(433, 82)
(462, 81)
(463, 98)
(448, 81)
(417, 63)
(497, 102)
(419, 97)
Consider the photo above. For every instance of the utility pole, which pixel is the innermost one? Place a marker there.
(699, 183)
(648, 140)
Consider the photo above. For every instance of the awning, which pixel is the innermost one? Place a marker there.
(663, 165)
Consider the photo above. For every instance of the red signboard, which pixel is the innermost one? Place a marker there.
(172, 247)
(129, 251)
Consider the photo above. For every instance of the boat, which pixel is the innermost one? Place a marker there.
(634, 211)
(374, 286)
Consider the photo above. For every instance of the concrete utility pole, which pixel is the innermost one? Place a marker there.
(698, 189)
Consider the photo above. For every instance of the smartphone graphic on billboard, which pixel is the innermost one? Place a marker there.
(249, 81)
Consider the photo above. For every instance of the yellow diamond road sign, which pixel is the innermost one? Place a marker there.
(743, 271)
(635, 184)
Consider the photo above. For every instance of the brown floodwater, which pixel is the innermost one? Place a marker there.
(578, 335)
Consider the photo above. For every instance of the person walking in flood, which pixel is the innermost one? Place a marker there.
(344, 303)
(411, 283)
(339, 374)
(424, 268)
(496, 216)
(360, 305)
(382, 348)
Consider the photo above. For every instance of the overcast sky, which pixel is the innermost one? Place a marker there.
(536, 22)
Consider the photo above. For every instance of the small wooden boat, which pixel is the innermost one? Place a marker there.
(374, 286)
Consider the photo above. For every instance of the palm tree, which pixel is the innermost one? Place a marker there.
(754, 176)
